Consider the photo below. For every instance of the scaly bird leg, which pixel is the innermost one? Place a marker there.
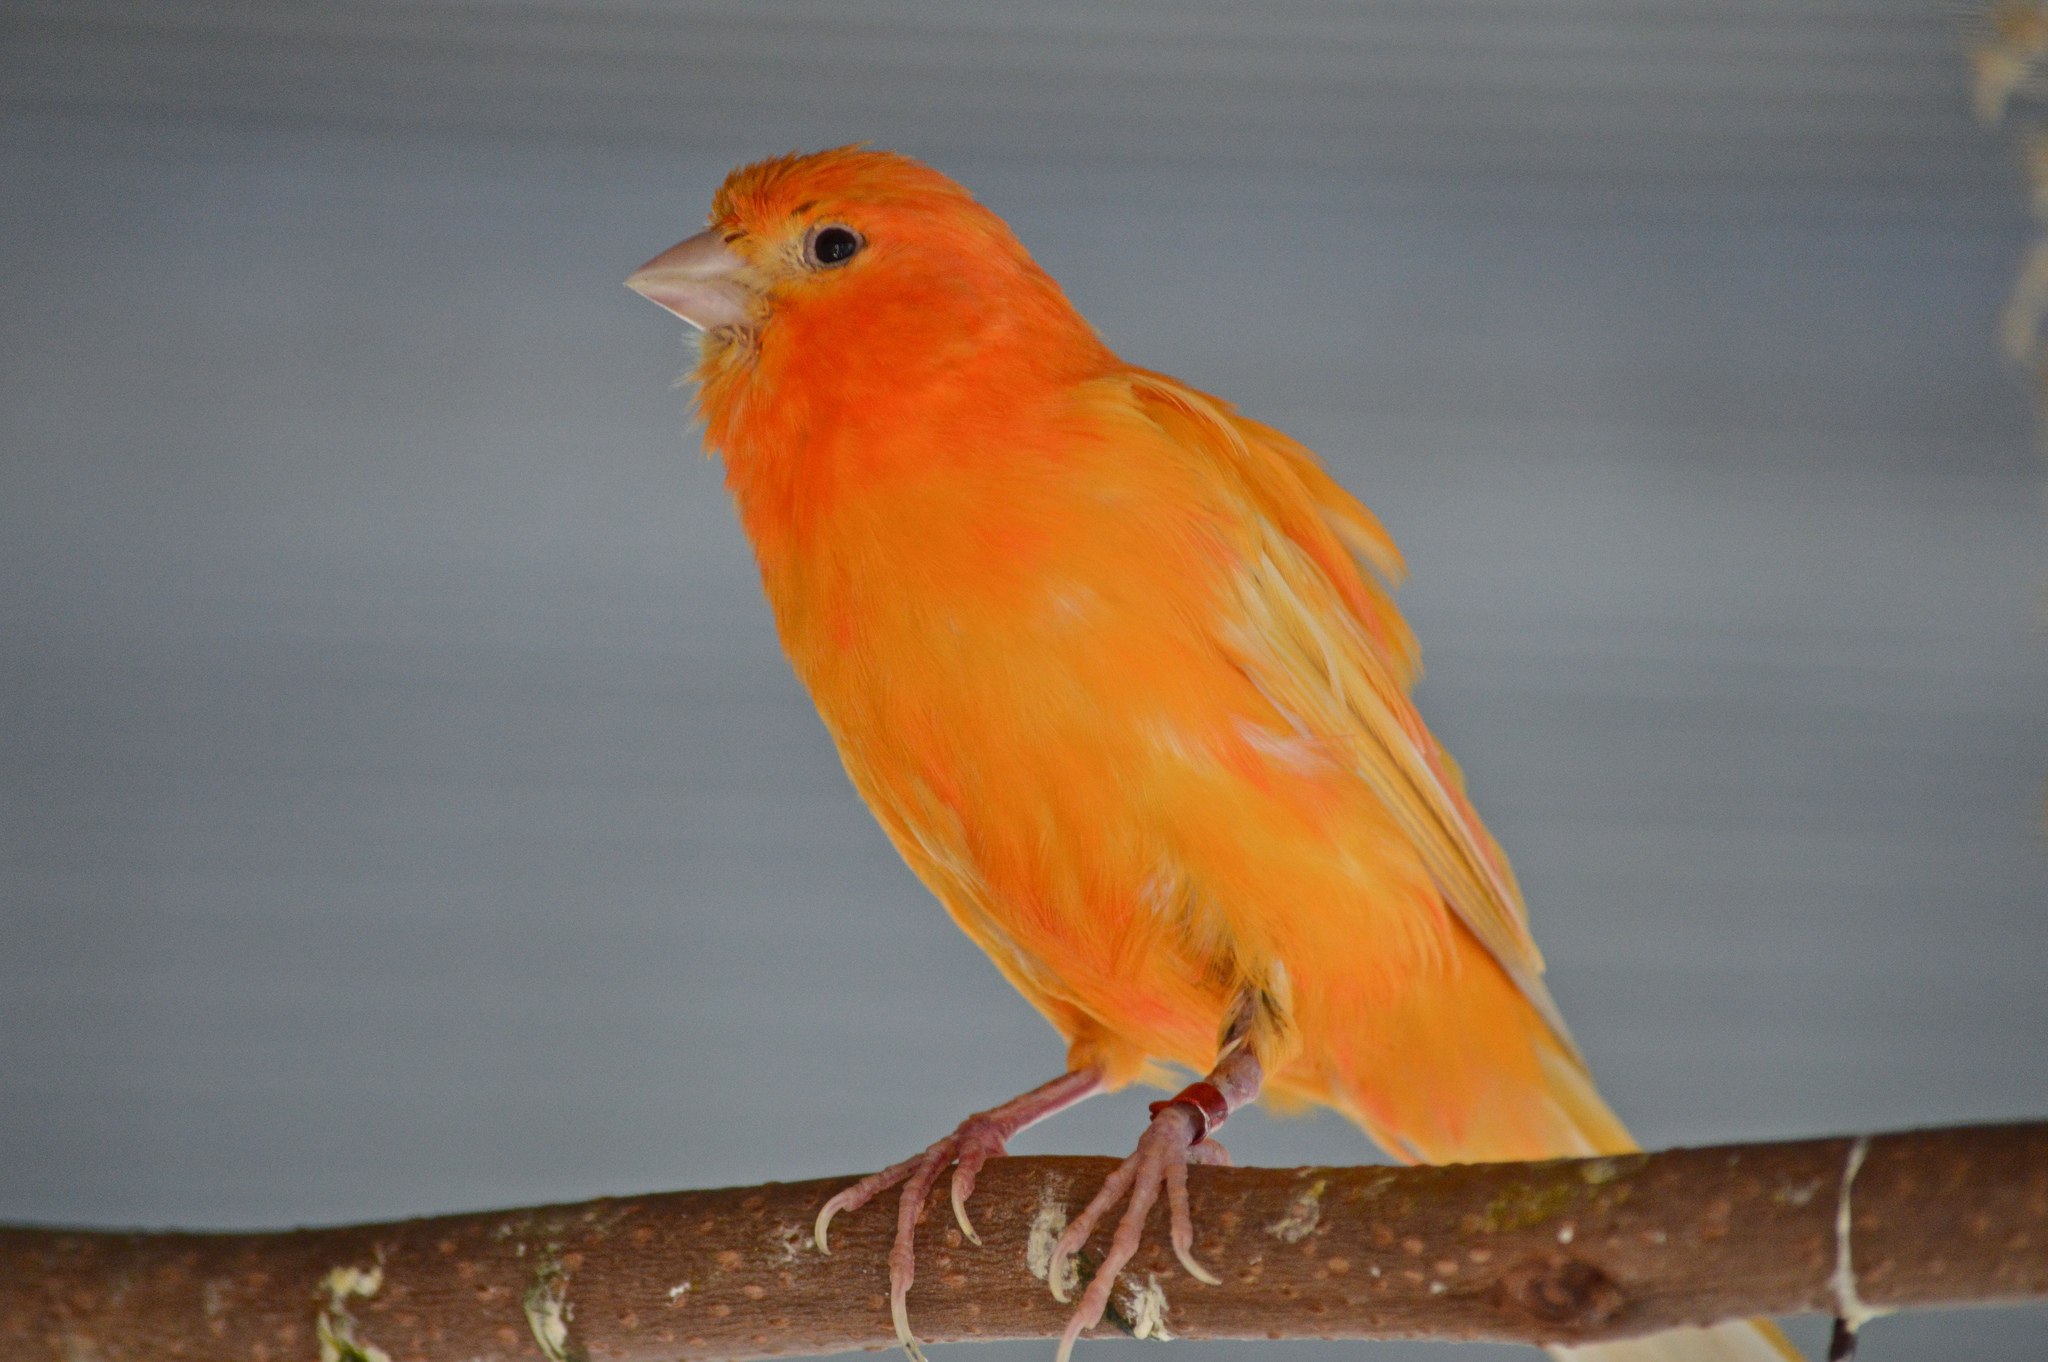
(976, 1139)
(1177, 1137)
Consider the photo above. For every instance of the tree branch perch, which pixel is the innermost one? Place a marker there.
(1564, 1251)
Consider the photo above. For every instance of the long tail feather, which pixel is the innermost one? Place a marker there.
(1539, 1102)
(1753, 1340)
(1756, 1340)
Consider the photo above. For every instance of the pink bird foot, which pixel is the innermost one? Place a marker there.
(1178, 1136)
(1173, 1141)
(973, 1143)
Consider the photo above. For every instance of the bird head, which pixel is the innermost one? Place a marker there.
(853, 269)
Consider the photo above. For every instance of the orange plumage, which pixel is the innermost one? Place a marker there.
(1118, 671)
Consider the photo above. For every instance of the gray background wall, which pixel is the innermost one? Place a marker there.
(404, 806)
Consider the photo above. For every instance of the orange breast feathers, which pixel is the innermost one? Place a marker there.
(1115, 667)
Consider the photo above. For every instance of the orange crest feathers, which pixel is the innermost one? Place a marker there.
(781, 187)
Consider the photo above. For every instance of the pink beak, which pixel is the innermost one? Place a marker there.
(698, 280)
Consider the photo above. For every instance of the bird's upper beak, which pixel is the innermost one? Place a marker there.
(698, 280)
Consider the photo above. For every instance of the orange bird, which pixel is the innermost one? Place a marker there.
(1118, 671)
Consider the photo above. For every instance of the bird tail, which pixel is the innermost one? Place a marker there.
(1749, 1340)
(1497, 1083)
(1586, 1113)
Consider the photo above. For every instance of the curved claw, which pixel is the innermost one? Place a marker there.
(859, 1195)
(1184, 1225)
(844, 1201)
(972, 1155)
(899, 1314)
(1195, 1269)
(962, 1189)
(824, 1221)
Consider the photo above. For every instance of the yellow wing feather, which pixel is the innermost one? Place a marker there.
(1323, 642)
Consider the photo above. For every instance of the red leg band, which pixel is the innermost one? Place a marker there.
(1205, 1102)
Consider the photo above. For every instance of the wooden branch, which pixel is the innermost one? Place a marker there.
(1564, 1251)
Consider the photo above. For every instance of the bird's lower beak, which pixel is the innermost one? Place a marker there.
(699, 280)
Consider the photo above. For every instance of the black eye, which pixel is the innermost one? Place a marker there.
(833, 245)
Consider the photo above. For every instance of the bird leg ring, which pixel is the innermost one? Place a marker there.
(1207, 1104)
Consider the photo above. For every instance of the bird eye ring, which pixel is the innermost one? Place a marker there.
(831, 245)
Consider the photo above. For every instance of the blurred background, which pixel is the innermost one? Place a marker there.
(405, 807)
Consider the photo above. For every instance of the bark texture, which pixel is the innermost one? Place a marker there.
(1561, 1251)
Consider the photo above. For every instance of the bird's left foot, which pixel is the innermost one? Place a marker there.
(1174, 1140)
(977, 1139)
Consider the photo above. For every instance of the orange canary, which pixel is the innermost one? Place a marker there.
(1118, 671)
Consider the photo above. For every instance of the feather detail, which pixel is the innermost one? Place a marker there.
(1325, 645)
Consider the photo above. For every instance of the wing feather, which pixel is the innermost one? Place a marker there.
(1322, 640)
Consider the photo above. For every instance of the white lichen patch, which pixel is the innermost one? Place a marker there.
(345, 1282)
(1145, 1308)
(1796, 1194)
(335, 1326)
(790, 1240)
(1303, 1215)
(548, 1313)
(1046, 1227)
(677, 1292)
